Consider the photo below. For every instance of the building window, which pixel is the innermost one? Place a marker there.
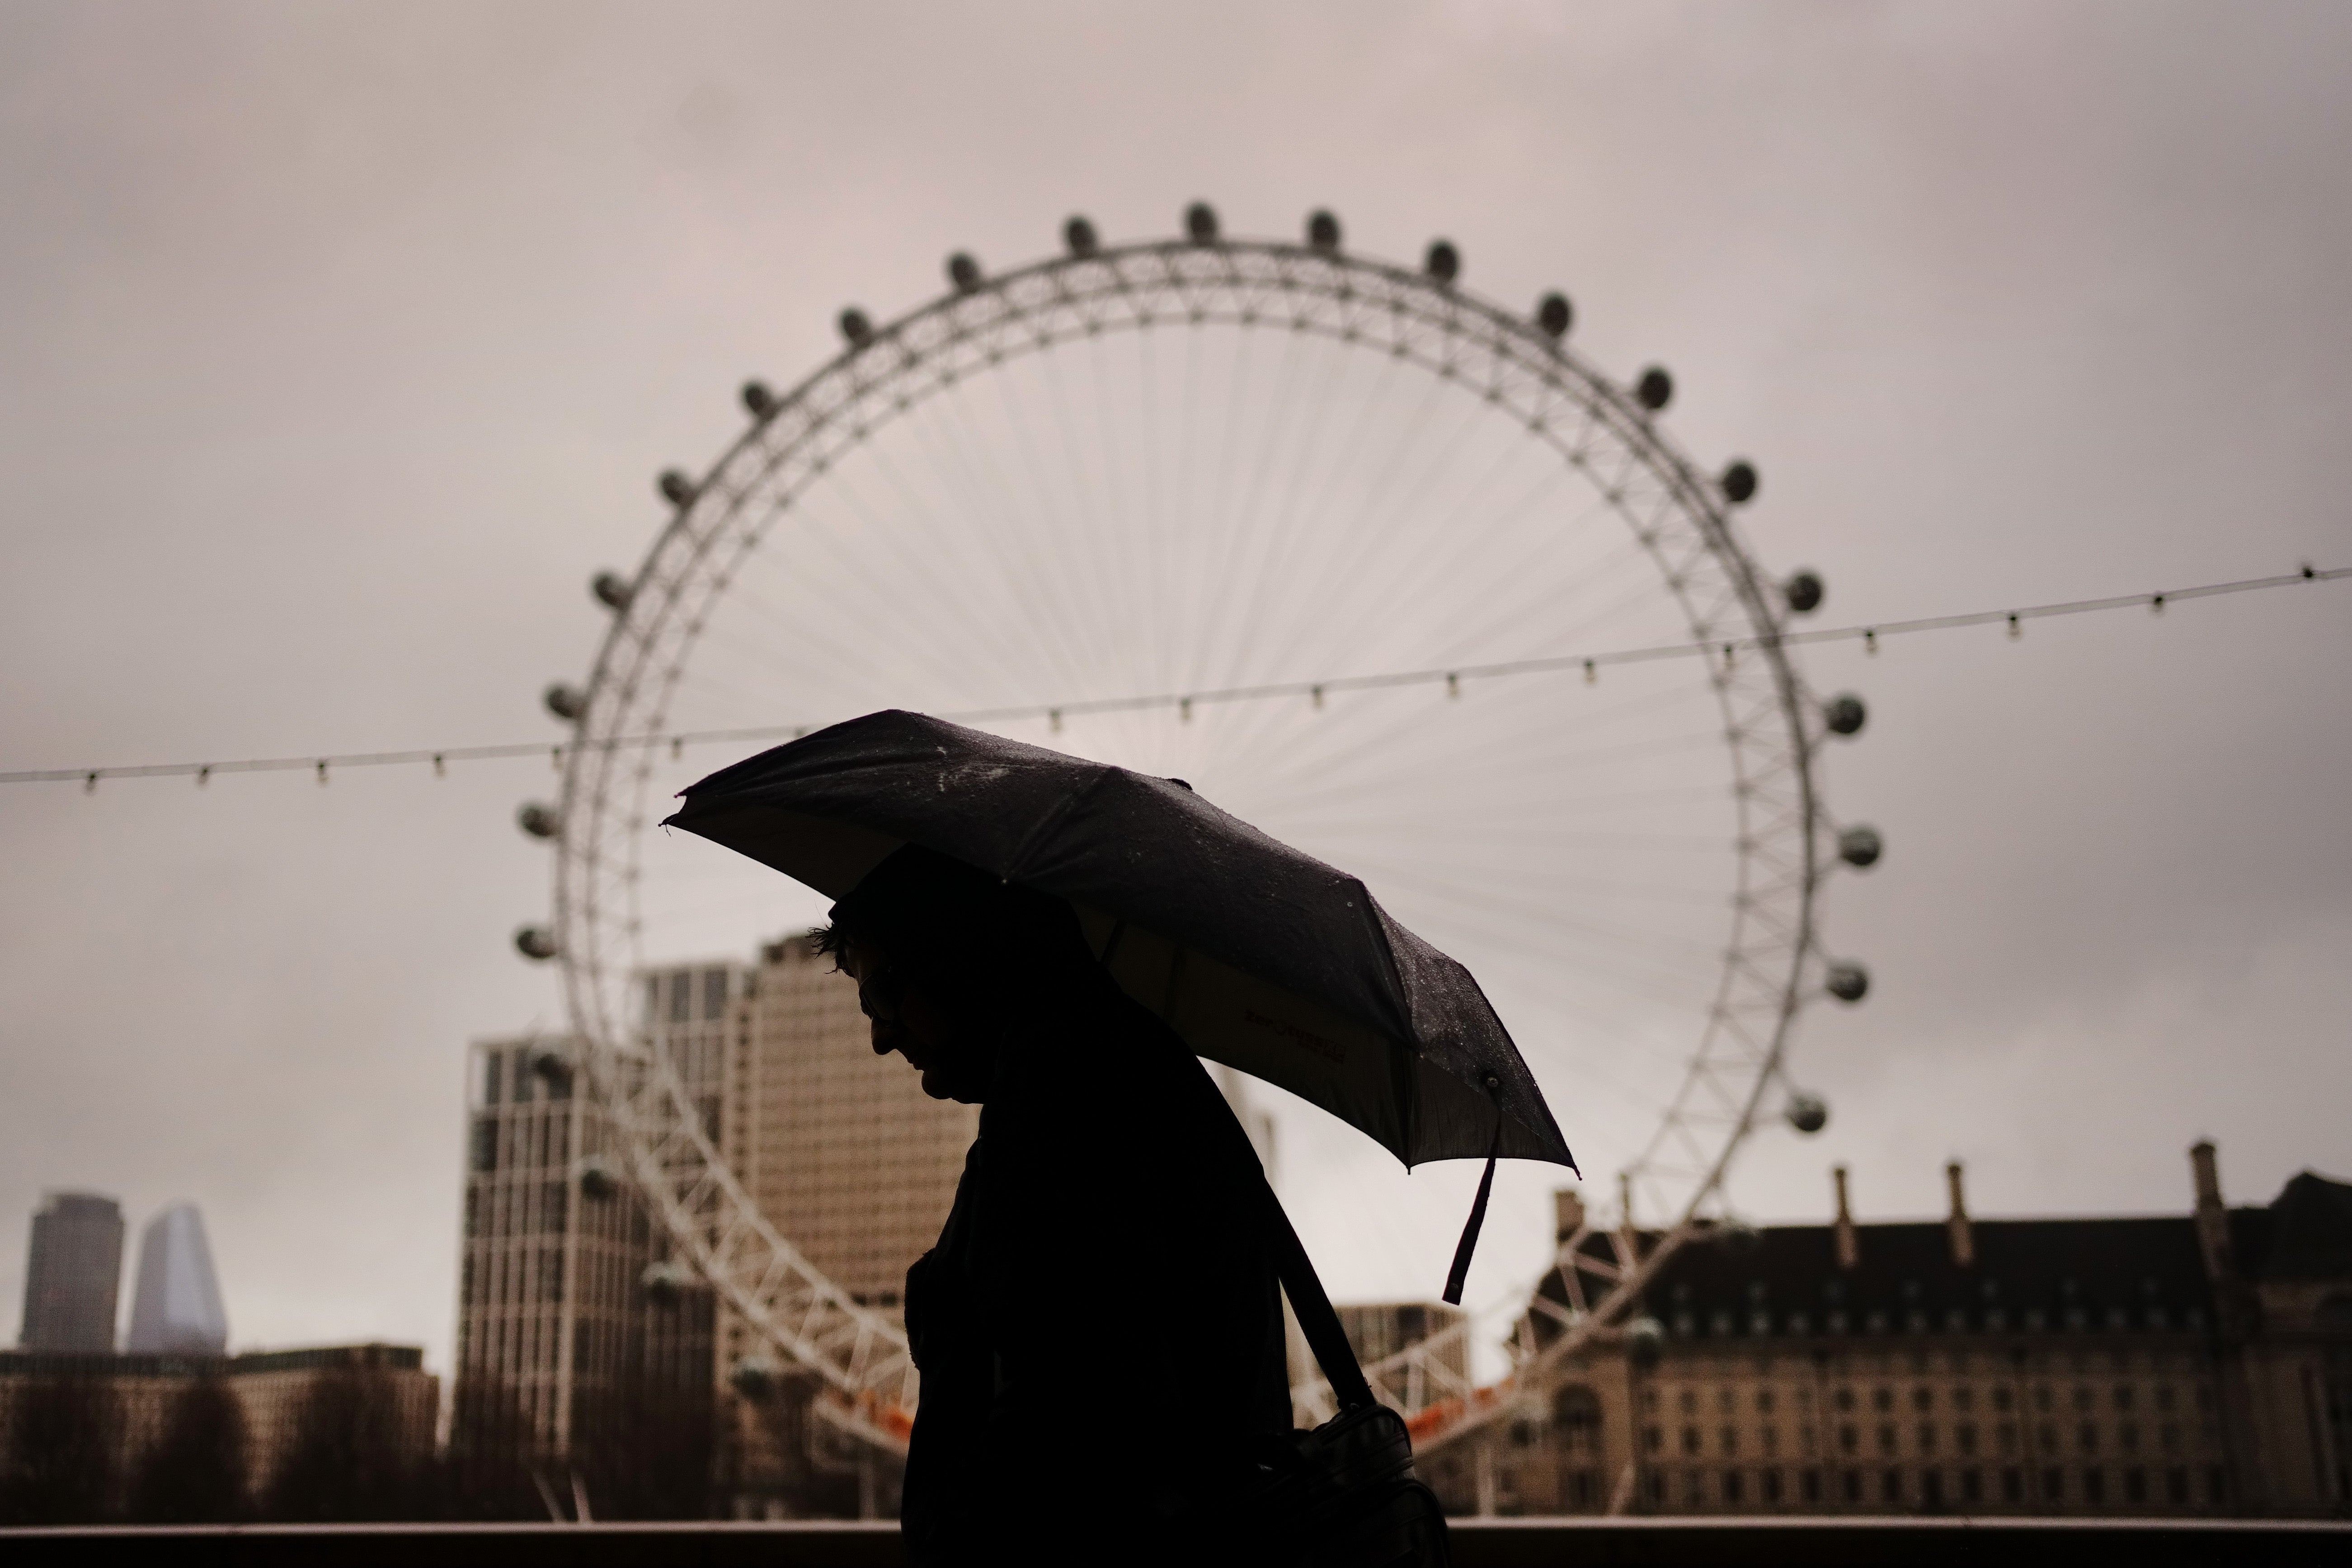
(2086, 1437)
(1808, 1486)
(1849, 1439)
(1657, 1488)
(493, 1067)
(2135, 1485)
(1771, 1484)
(1694, 1489)
(1890, 1485)
(2123, 1397)
(2001, 1398)
(1923, 1400)
(1652, 1439)
(1882, 1399)
(2041, 1397)
(2083, 1399)
(1844, 1400)
(2170, 1436)
(2054, 1485)
(2217, 1485)
(714, 993)
(1886, 1438)
(2176, 1486)
(1689, 1402)
(1972, 1485)
(1690, 1440)
(1730, 1440)
(1733, 1489)
(1770, 1438)
(2094, 1485)
(2127, 1436)
(1650, 1401)
(1931, 1488)
(1853, 1487)
(486, 1143)
(2013, 1485)
(2164, 1396)
(1926, 1436)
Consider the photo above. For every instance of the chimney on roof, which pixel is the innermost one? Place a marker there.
(2212, 1219)
(1849, 1248)
(1964, 1236)
(1568, 1214)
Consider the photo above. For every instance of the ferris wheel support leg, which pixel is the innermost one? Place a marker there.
(1621, 1496)
(1485, 1472)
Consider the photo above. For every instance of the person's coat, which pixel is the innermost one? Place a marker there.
(1099, 1329)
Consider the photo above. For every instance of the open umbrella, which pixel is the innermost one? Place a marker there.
(1258, 956)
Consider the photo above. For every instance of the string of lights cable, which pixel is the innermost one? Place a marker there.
(1183, 703)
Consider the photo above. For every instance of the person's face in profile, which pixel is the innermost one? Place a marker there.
(907, 1018)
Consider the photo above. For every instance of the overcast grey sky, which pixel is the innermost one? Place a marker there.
(339, 345)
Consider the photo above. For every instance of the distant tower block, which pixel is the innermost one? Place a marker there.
(72, 1273)
(175, 1307)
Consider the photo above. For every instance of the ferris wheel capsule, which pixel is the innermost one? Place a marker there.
(1847, 982)
(963, 272)
(664, 1281)
(598, 1178)
(538, 819)
(1078, 235)
(757, 399)
(1738, 482)
(1805, 592)
(612, 590)
(1844, 714)
(1201, 224)
(1322, 230)
(1808, 1113)
(1554, 314)
(675, 487)
(1442, 262)
(753, 1377)
(1860, 846)
(566, 702)
(1655, 389)
(536, 944)
(856, 327)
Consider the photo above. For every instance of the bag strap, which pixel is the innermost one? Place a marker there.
(1316, 1318)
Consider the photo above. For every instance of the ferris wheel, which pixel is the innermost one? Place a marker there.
(1380, 567)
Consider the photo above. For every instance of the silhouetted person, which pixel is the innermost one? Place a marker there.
(1099, 1328)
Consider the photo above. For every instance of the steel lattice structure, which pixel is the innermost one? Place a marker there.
(1681, 517)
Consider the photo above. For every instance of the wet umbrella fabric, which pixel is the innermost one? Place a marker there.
(1259, 956)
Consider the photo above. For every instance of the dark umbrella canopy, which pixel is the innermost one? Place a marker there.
(1261, 957)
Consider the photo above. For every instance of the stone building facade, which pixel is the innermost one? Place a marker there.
(2183, 1366)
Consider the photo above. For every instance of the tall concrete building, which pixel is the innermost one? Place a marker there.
(574, 1320)
(72, 1273)
(175, 1305)
(841, 1149)
(2197, 1364)
(857, 1168)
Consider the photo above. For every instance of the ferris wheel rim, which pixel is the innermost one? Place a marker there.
(877, 375)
